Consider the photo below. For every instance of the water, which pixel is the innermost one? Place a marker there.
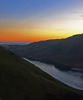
(73, 79)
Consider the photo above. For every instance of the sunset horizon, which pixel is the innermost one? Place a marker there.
(11, 40)
(38, 20)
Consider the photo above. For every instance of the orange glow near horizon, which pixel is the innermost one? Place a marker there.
(38, 30)
(29, 35)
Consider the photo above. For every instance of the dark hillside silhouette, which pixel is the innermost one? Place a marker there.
(63, 53)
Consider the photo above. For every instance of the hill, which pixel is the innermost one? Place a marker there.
(63, 53)
(21, 80)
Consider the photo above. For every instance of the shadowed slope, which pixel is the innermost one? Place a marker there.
(21, 80)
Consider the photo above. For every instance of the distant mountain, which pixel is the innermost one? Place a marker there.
(14, 43)
(21, 80)
(63, 53)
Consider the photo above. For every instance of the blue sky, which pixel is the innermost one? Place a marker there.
(18, 8)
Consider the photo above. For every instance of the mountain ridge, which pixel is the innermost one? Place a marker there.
(63, 53)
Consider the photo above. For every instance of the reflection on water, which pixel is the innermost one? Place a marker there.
(73, 79)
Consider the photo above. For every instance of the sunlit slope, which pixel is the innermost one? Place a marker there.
(20, 80)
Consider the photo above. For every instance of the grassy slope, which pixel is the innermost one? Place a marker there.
(20, 80)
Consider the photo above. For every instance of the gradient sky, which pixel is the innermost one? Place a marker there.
(35, 20)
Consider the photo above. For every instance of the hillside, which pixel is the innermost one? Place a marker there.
(21, 80)
(63, 53)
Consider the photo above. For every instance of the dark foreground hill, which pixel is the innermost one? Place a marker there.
(63, 53)
(21, 80)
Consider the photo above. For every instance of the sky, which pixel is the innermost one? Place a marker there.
(36, 20)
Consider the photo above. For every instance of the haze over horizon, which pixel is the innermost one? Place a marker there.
(36, 20)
